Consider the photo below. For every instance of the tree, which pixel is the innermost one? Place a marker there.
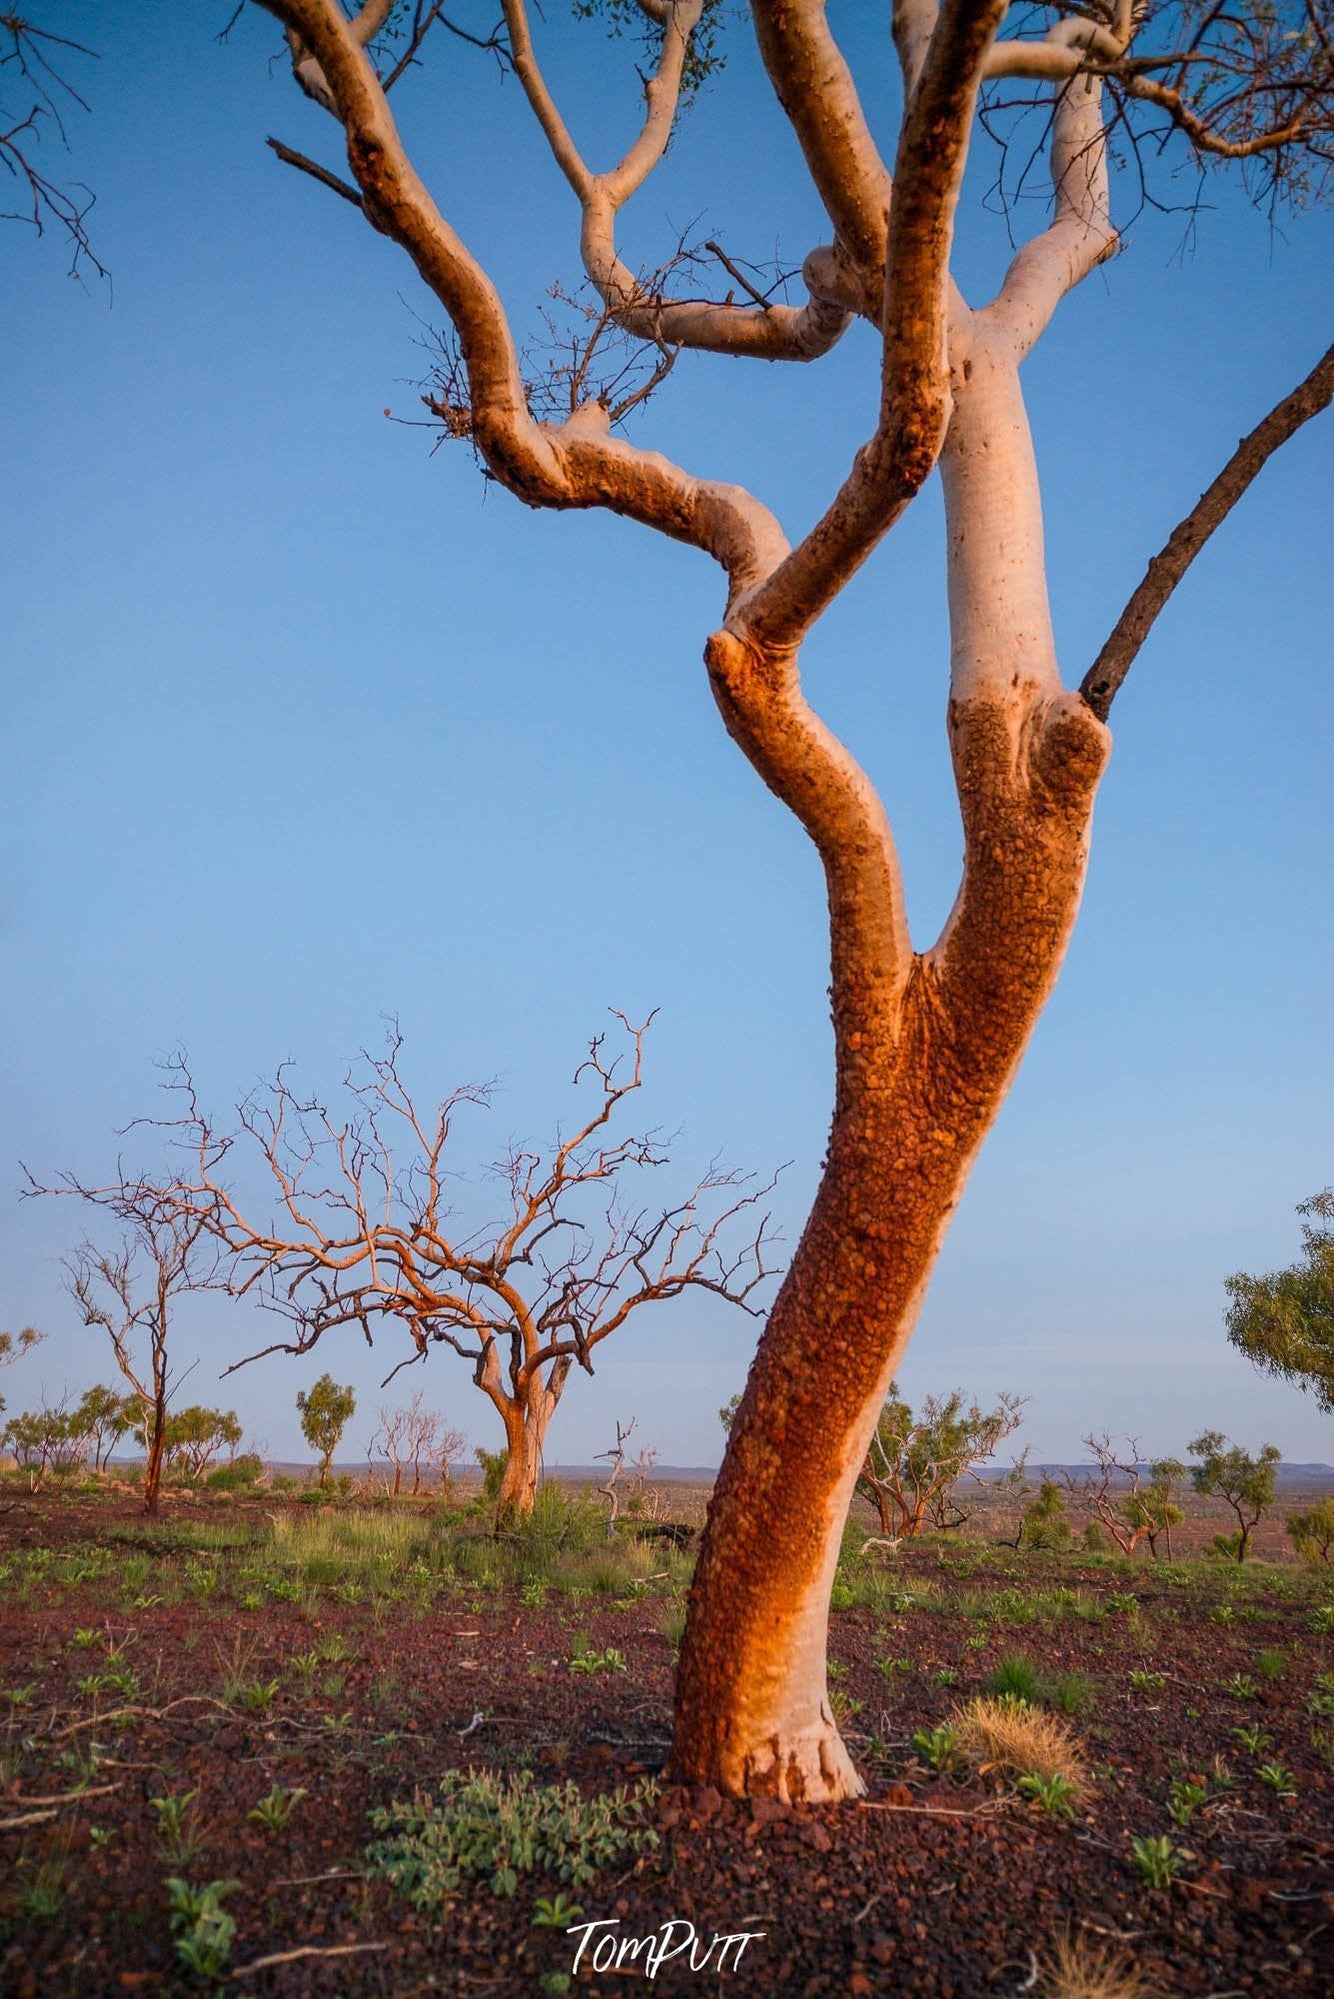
(326, 1410)
(1247, 1484)
(1285, 1322)
(13, 1347)
(1312, 1532)
(102, 1416)
(365, 1235)
(45, 1440)
(129, 1292)
(195, 1435)
(1128, 1506)
(927, 1043)
(416, 1436)
(914, 1461)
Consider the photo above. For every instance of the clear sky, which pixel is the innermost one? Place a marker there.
(306, 725)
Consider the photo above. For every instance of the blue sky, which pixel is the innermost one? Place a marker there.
(306, 726)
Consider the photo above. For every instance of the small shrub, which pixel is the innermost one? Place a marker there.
(1157, 1861)
(941, 1749)
(241, 1475)
(1148, 1683)
(1254, 1739)
(204, 1931)
(176, 1826)
(1016, 1678)
(1055, 1794)
(493, 1828)
(274, 1811)
(610, 1661)
(1184, 1800)
(1271, 1664)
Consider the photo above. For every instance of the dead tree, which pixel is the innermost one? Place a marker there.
(363, 1233)
(617, 1458)
(927, 1042)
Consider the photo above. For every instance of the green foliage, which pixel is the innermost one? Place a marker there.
(493, 1828)
(585, 1661)
(1157, 1861)
(325, 1410)
(1248, 1484)
(939, 1748)
(555, 1912)
(1278, 1779)
(243, 1473)
(13, 1346)
(914, 1460)
(1284, 1322)
(493, 1472)
(1015, 1678)
(274, 1811)
(194, 1436)
(1056, 1794)
(1153, 1509)
(1254, 1739)
(728, 1413)
(1312, 1532)
(1184, 1800)
(1145, 1682)
(176, 1823)
(204, 1930)
(1045, 1525)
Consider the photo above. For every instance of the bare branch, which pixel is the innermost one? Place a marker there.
(1102, 682)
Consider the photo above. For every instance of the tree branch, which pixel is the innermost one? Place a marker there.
(1102, 682)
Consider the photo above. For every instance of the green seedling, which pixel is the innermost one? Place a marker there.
(204, 1930)
(274, 1811)
(176, 1825)
(1157, 1861)
(1056, 1794)
(1253, 1739)
(939, 1748)
(1278, 1779)
(555, 1912)
(610, 1661)
(1184, 1800)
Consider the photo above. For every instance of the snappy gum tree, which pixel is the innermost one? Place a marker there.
(927, 1041)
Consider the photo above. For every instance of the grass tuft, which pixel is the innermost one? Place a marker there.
(1017, 1741)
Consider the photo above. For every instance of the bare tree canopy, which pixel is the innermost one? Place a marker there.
(365, 1233)
(36, 98)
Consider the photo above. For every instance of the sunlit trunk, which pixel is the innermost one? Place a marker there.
(926, 1046)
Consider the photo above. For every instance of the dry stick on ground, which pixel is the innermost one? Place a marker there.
(926, 1042)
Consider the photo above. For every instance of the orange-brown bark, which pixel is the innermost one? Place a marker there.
(923, 1067)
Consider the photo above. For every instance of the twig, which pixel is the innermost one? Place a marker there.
(304, 1950)
(101, 1791)
(932, 1811)
(26, 1818)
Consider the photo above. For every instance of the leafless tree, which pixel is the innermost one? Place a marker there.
(616, 1456)
(130, 1292)
(363, 1233)
(413, 1435)
(927, 1042)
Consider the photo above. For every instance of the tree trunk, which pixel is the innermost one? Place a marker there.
(926, 1046)
(156, 1450)
(526, 1417)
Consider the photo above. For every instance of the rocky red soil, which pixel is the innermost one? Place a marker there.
(931, 1886)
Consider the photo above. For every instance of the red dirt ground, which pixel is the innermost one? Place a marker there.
(931, 1887)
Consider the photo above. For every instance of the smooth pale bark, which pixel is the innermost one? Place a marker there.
(925, 1052)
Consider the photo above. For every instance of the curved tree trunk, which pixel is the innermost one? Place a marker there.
(926, 1046)
(526, 1417)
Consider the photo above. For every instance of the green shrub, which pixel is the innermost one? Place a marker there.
(1312, 1532)
(491, 1828)
(241, 1475)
